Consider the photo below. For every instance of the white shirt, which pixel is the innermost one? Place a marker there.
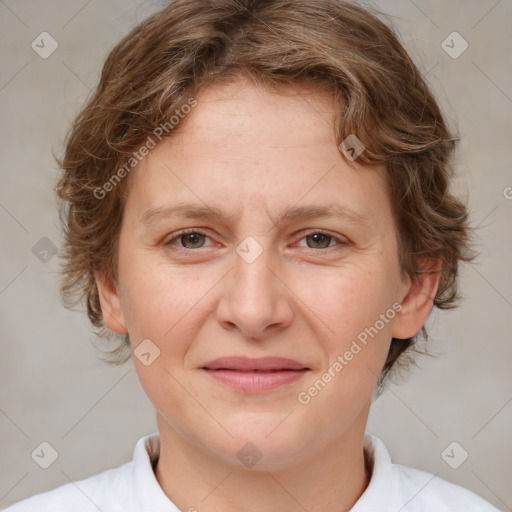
(133, 487)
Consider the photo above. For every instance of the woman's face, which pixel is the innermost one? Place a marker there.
(290, 253)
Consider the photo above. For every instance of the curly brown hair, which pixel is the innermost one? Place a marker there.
(334, 45)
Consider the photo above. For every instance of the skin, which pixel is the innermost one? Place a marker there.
(252, 153)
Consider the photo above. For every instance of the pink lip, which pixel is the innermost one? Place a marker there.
(246, 364)
(255, 375)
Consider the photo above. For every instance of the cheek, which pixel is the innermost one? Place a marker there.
(346, 301)
(351, 304)
(348, 308)
(159, 299)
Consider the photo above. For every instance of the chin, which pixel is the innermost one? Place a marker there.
(255, 450)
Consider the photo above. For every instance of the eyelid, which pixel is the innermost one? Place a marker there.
(310, 231)
(186, 231)
(340, 241)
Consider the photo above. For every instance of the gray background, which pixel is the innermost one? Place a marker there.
(53, 385)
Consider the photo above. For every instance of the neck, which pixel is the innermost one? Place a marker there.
(195, 479)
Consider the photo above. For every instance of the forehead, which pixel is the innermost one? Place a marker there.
(244, 116)
(248, 148)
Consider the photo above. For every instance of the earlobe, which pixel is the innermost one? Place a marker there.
(419, 300)
(110, 301)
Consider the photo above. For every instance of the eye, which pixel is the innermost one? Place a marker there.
(189, 239)
(321, 240)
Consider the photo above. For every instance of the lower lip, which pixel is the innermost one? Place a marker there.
(254, 382)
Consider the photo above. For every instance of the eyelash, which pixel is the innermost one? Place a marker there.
(177, 236)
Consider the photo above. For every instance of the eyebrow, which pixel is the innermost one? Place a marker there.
(294, 213)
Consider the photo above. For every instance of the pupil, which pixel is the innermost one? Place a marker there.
(192, 238)
(319, 238)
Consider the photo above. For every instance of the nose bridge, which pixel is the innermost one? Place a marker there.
(253, 280)
(254, 252)
(254, 297)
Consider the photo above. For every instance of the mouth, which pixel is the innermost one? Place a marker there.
(255, 375)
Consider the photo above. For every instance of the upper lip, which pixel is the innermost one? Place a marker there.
(246, 364)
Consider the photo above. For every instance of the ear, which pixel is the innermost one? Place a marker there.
(419, 299)
(110, 301)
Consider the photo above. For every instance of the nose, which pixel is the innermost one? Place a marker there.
(255, 299)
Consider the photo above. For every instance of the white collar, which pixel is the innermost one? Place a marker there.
(148, 490)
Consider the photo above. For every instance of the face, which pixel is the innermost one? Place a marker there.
(288, 252)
